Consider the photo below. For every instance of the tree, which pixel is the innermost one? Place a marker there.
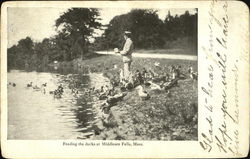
(144, 24)
(25, 51)
(184, 25)
(75, 27)
(12, 56)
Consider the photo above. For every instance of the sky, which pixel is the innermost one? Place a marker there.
(38, 23)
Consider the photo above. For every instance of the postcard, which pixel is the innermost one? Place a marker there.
(124, 79)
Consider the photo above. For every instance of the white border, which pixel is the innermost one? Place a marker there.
(152, 149)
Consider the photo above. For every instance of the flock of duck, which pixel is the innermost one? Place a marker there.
(139, 80)
(11, 84)
(57, 92)
(142, 81)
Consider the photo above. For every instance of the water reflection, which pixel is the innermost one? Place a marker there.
(34, 114)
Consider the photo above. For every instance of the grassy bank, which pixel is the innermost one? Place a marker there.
(181, 46)
(168, 51)
(165, 116)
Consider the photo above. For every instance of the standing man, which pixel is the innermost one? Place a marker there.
(126, 53)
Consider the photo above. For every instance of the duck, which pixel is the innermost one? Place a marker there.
(139, 77)
(147, 84)
(51, 92)
(154, 86)
(111, 92)
(174, 72)
(157, 64)
(105, 107)
(99, 91)
(114, 99)
(177, 71)
(44, 85)
(57, 93)
(121, 75)
(123, 89)
(159, 79)
(103, 96)
(36, 87)
(193, 75)
(29, 84)
(144, 73)
(44, 91)
(102, 89)
(129, 86)
(167, 77)
(142, 93)
(60, 88)
(170, 84)
(151, 74)
(75, 93)
(114, 83)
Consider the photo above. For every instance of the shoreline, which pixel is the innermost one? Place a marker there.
(159, 118)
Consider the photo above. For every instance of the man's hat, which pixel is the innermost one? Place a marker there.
(127, 32)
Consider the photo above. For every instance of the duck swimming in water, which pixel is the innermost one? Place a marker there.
(51, 92)
(60, 88)
(44, 85)
(57, 94)
(36, 87)
(29, 84)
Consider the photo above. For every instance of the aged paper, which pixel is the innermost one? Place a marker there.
(223, 88)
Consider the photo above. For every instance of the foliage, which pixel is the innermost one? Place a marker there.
(144, 24)
(181, 26)
(20, 53)
(74, 28)
(77, 25)
(148, 31)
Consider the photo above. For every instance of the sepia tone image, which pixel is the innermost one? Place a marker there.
(102, 74)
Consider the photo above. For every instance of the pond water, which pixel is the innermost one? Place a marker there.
(37, 115)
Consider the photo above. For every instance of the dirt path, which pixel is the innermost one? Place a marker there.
(162, 56)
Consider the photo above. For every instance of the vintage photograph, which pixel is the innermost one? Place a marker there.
(102, 73)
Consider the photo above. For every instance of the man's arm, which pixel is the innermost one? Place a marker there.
(127, 47)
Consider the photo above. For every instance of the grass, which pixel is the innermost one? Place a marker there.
(165, 116)
(181, 46)
(179, 51)
(107, 62)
